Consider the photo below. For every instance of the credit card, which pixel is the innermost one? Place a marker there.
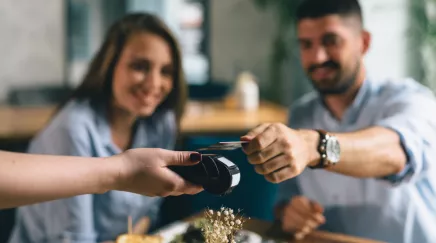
(230, 145)
(233, 142)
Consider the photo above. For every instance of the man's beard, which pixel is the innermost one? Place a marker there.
(341, 84)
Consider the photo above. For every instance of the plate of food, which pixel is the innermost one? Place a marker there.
(222, 226)
(184, 232)
(133, 237)
(137, 238)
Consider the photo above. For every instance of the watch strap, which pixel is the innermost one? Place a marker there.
(322, 145)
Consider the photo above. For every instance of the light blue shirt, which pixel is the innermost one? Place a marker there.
(399, 208)
(81, 130)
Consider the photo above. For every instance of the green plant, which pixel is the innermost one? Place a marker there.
(284, 45)
(423, 36)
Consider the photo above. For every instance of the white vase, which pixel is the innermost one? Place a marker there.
(247, 92)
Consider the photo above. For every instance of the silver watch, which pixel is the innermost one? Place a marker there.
(329, 150)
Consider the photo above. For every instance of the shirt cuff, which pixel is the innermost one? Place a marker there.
(409, 146)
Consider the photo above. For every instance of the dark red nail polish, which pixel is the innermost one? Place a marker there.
(195, 157)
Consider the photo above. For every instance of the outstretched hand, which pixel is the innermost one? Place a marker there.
(279, 152)
(145, 171)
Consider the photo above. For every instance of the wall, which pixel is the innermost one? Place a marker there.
(241, 37)
(31, 43)
(388, 22)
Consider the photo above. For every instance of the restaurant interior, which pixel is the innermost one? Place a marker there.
(47, 46)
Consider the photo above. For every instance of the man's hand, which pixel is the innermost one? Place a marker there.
(301, 216)
(145, 171)
(279, 152)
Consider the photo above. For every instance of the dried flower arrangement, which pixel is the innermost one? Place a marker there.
(222, 226)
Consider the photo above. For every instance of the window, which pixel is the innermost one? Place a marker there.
(194, 40)
(88, 21)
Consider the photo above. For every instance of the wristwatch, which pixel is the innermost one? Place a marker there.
(328, 149)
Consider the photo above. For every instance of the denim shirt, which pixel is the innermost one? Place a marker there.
(81, 129)
(398, 208)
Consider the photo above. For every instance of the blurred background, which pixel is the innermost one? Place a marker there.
(49, 43)
(46, 46)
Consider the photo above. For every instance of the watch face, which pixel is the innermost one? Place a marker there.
(333, 150)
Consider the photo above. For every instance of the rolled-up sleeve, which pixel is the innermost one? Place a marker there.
(413, 117)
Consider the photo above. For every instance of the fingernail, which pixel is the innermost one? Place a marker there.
(195, 157)
(299, 236)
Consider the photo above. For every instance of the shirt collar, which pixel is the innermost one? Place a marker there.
(359, 102)
(141, 138)
(352, 112)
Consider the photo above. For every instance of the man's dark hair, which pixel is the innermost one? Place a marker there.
(322, 8)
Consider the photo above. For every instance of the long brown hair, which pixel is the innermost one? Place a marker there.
(97, 83)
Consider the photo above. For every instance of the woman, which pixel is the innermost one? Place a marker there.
(132, 96)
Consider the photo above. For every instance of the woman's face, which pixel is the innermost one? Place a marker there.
(143, 76)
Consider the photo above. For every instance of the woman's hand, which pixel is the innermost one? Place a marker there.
(145, 171)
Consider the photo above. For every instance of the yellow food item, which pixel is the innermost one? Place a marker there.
(132, 238)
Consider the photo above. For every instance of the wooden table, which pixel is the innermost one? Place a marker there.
(262, 228)
(271, 231)
(22, 123)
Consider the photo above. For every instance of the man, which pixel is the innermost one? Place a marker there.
(27, 179)
(370, 171)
